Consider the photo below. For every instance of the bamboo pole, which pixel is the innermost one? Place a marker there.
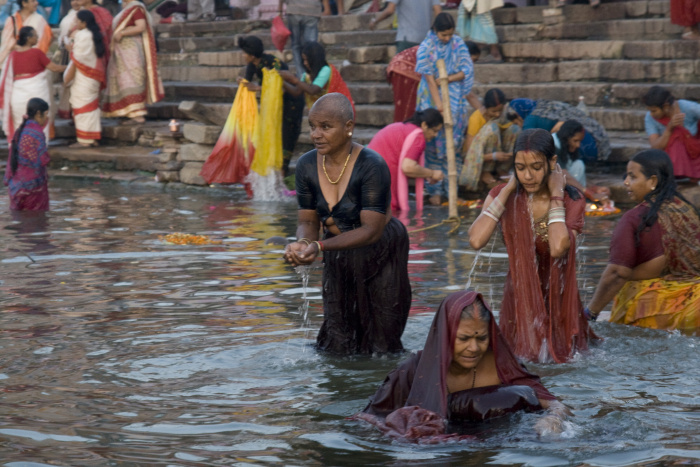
(449, 140)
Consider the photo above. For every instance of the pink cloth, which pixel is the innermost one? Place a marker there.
(389, 143)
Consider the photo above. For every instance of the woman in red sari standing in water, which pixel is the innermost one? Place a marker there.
(542, 315)
(25, 174)
(132, 74)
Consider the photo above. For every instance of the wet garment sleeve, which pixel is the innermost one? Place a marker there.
(624, 250)
(393, 392)
(376, 185)
(306, 196)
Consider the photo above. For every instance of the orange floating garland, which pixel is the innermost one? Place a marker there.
(187, 239)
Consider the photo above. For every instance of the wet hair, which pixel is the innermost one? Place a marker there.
(656, 162)
(541, 142)
(478, 311)
(657, 96)
(565, 133)
(473, 48)
(87, 17)
(24, 34)
(316, 56)
(251, 45)
(34, 106)
(443, 22)
(429, 116)
(338, 103)
(494, 97)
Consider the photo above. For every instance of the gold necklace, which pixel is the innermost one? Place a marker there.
(341, 172)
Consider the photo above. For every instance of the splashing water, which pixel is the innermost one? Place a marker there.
(267, 188)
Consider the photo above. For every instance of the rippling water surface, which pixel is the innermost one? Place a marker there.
(119, 349)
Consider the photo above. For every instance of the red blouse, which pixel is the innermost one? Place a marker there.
(30, 62)
(624, 251)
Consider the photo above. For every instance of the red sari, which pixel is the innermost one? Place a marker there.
(335, 84)
(537, 324)
(685, 12)
(28, 185)
(684, 150)
(404, 82)
(413, 401)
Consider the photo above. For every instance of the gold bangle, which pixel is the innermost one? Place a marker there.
(318, 245)
(305, 240)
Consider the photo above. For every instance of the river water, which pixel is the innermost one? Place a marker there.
(119, 349)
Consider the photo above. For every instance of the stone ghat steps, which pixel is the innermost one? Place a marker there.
(648, 71)
(606, 30)
(379, 115)
(594, 93)
(644, 71)
(229, 41)
(217, 91)
(592, 49)
(111, 158)
(628, 29)
(372, 92)
(360, 22)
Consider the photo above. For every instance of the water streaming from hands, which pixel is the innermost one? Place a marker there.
(119, 349)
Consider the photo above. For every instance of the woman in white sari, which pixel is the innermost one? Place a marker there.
(132, 73)
(26, 16)
(86, 76)
(24, 76)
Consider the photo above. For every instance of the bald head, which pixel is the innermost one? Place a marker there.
(336, 104)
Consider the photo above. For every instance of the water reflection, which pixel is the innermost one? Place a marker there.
(121, 350)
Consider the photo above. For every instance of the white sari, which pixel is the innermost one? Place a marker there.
(15, 93)
(85, 87)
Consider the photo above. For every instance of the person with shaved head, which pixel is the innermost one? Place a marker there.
(345, 190)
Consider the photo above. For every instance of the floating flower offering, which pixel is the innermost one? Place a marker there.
(607, 209)
(469, 203)
(187, 239)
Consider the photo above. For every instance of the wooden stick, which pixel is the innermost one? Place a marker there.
(449, 139)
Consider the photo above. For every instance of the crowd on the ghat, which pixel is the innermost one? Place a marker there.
(528, 154)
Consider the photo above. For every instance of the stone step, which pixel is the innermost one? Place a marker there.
(360, 22)
(201, 73)
(594, 93)
(377, 115)
(583, 13)
(114, 158)
(585, 50)
(629, 29)
(678, 71)
(625, 144)
(362, 54)
(225, 91)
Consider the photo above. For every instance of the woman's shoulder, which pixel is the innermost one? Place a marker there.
(371, 157)
(308, 158)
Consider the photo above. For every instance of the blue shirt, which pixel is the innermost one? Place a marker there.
(692, 116)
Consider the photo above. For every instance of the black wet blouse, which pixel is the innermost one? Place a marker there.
(369, 189)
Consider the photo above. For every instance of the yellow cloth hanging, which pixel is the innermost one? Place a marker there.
(268, 141)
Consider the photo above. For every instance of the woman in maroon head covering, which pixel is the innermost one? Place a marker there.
(466, 372)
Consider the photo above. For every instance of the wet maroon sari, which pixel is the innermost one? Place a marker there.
(28, 185)
(412, 403)
(401, 73)
(540, 325)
